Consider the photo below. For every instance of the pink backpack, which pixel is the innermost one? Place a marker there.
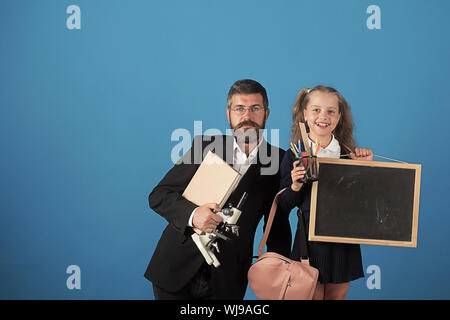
(275, 277)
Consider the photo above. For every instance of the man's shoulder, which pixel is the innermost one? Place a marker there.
(221, 145)
(201, 144)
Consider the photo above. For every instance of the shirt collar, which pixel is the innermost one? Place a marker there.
(252, 154)
(333, 150)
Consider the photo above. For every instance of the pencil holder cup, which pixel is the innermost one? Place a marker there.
(312, 168)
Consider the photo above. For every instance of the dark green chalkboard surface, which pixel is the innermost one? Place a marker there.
(365, 202)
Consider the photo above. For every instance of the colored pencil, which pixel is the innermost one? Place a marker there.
(293, 150)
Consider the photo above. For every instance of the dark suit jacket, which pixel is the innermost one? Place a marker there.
(177, 259)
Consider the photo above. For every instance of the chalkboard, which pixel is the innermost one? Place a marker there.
(365, 202)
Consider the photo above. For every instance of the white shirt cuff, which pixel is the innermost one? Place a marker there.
(191, 218)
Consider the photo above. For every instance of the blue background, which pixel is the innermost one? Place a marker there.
(86, 118)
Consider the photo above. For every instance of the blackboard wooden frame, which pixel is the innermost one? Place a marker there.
(315, 216)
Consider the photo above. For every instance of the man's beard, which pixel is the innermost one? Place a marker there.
(247, 135)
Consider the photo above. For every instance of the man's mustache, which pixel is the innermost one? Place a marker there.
(248, 123)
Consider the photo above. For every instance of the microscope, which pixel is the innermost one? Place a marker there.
(207, 242)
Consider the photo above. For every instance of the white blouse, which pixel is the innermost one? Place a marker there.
(333, 150)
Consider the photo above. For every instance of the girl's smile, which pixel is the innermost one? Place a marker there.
(322, 124)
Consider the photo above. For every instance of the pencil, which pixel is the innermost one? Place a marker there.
(293, 150)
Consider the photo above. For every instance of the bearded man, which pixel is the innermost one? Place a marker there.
(177, 268)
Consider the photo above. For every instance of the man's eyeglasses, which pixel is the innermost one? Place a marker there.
(242, 110)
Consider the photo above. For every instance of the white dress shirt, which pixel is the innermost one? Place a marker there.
(241, 162)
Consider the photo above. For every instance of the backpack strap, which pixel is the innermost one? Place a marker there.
(303, 242)
(273, 209)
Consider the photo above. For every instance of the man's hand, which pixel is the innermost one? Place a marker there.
(205, 219)
(362, 154)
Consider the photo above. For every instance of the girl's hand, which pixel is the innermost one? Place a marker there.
(362, 154)
(298, 172)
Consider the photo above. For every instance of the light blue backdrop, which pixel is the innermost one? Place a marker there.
(86, 118)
